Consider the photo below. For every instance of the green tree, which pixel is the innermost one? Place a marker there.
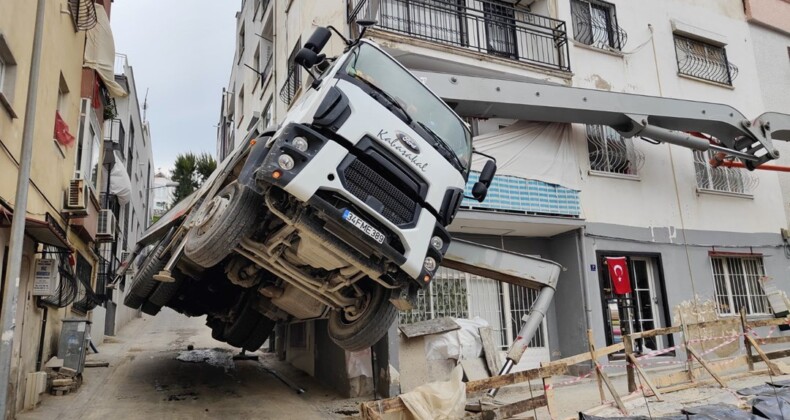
(190, 171)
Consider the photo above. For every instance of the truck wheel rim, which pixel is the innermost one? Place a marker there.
(215, 208)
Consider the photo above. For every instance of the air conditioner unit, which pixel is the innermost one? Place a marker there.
(125, 255)
(77, 195)
(106, 228)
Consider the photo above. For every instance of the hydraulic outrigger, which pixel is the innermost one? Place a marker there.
(676, 121)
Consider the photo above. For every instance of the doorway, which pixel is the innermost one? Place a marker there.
(642, 309)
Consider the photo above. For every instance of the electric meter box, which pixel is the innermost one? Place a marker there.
(75, 338)
(46, 277)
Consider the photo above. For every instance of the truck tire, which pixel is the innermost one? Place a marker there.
(217, 329)
(150, 309)
(259, 335)
(143, 283)
(164, 292)
(368, 327)
(237, 332)
(221, 223)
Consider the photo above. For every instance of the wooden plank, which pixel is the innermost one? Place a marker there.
(431, 326)
(707, 367)
(513, 378)
(688, 385)
(767, 322)
(548, 391)
(583, 357)
(614, 348)
(655, 332)
(628, 343)
(723, 322)
(510, 410)
(475, 369)
(644, 376)
(379, 407)
(746, 344)
(771, 365)
(591, 346)
(490, 350)
(689, 360)
(778, 354)
(773, 340)
(612, 390)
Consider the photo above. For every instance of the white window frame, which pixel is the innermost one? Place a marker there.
(744, 284)
(268, 113)
(89, 123)
(7, 76)
(613, 153)
(736, 181)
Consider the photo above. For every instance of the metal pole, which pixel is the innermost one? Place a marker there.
(18, 223)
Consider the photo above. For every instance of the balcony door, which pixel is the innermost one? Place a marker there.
(434, 20)
(500, 29)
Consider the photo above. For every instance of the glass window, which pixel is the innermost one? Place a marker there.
(738, 285)
(374, 68)
(733, 180)
(268, 114)
(595, 23)
(611, 152)
(703, 60)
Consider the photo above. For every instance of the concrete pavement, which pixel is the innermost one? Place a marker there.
(146, 381)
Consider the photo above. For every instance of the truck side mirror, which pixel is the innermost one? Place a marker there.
(480, 189)
(308, 58)
(318, 40)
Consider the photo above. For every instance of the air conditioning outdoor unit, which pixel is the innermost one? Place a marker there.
(106, 230)
(77, 195)
(125, 255)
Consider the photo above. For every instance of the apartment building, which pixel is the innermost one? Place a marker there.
(63, 218)
(689, 233)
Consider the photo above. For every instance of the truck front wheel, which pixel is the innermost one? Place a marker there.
(221, 223)
(365, 327)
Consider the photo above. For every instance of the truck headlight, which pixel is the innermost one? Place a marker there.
(429, 264)
(286, 162)
(437, 243)
(300, 144)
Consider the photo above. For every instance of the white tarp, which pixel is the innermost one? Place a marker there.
(100, 52)
(532, 150)
(120, 184)
(438, 400)
(461, 344)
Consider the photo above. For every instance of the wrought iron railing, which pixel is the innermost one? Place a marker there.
(704, 61)
(483, 26)
(595, 24)
(731, 180)
(267, 69)
(292, 82)
(83, 14)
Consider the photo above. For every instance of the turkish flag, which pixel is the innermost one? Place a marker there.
(62, 134)
(618, 273)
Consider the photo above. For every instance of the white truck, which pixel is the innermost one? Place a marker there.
(338, 213)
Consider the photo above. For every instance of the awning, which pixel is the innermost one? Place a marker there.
(46, 231)
(100, 52)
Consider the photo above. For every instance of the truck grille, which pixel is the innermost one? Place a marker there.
(366, 183)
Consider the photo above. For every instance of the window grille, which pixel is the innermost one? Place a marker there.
(733, 180)
(737, 282)
(595, 24)
(86, 299)
(704, 61)
(486, 26)
(83, 14)
(66, 291)
(610, 152)
(294, 79)
(462, 295)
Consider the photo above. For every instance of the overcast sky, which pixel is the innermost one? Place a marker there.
(182, 52)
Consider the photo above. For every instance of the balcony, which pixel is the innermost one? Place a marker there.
(486, 27)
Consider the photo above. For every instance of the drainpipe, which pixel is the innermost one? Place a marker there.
(584, 279)
(16, 243)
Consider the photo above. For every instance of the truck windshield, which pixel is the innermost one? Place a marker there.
(375, 68)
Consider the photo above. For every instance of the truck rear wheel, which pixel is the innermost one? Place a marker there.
(221, 223)
(143, 283)
(365, 328)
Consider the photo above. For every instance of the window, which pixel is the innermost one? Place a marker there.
(704, 60)
(268, 114)
(500, 29)
(241, 43)
(610, 152)
(737, 282)
(129, 161)
(256, 62)
(241, 105)
(61, 111)
(7, 76)
(294, 79)
(88, 146)
(731, 180)
(595, 24)
(85, 295)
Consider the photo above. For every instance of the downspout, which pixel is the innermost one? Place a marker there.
(16, 244)
(584, 278)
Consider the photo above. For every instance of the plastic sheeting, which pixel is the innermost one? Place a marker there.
(120, 184)
(358, 363)
(100, 52)
(461, 344)
(532, 150)
(438, 400)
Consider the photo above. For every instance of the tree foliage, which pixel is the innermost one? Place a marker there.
(190, 171)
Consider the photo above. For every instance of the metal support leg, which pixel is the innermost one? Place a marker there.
(165, 276)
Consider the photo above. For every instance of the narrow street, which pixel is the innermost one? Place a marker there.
(145, 380)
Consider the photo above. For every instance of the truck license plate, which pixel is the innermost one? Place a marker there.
(363, 226)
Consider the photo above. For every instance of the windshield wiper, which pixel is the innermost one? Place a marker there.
(388, 98)
(446, 150)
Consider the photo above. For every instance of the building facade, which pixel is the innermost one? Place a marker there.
(691, 234)
(65, 218)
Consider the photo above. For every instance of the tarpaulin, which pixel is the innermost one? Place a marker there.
(462, 344)
(438, 400)
(120, 184)
(618, 273)
(532, 150)
(100, 52)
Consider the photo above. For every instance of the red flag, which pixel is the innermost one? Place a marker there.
(618, 273)
(62, 134)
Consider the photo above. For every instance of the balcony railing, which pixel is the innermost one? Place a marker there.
(483, 26)
(83, 14)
